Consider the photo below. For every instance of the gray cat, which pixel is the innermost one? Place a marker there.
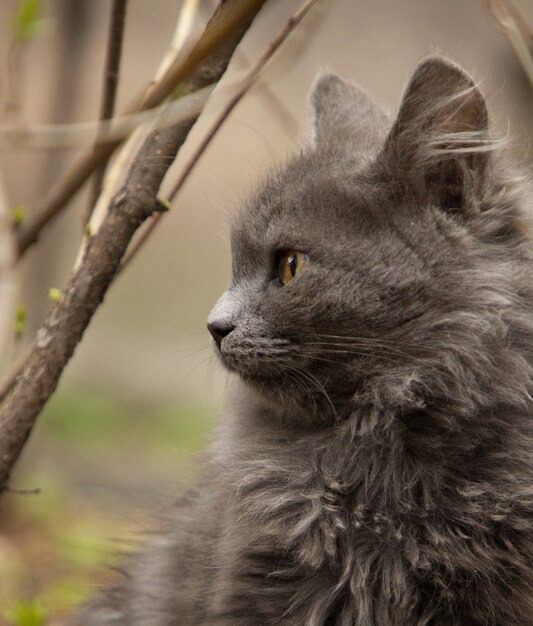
(375, 467)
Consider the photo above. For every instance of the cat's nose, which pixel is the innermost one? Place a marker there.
(220, 329)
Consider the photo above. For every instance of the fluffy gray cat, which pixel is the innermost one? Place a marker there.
(375, 467)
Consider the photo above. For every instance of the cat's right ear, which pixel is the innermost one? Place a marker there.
(342, 113)
(440, 142)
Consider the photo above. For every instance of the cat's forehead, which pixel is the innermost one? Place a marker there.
(307, 199)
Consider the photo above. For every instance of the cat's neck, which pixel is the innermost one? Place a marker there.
(383, 456)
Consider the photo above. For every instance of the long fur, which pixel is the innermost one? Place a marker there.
(375, 464)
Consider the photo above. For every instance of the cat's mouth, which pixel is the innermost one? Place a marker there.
(256, 359)
(278, 370)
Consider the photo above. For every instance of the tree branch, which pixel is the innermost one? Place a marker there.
(79, 134)
(111, 77)
(245, 85)
(511, 22)
(64, 327)
(193, 70)
(7, 278)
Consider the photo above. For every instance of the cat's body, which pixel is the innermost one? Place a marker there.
(375, 468)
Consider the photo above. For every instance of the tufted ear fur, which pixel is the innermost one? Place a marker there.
(344, 114)
(440, 140)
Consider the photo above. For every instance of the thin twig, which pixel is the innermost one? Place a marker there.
(142, 123)
(15, 78)
(503, 8)
(79, 134)
(74, 178)
(9, 382)
(245, 85)
(64, 326)
(115, 38)
(182, 34)
(513, 25)
(7, 280)
(280, 110)
(23, 492)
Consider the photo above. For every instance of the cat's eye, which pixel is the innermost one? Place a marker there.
(290, 263)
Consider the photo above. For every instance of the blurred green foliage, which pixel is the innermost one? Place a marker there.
(27, 22)
(99, 420)
(27, 614)
(18, 214)
(20, 320)
(55, 546)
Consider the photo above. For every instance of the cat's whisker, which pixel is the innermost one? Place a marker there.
(364, 341)
(326, 344)
(348, 350)
(184, 353)
(358, 353)
(319, 385)
(323, 359)
(356, 338)
(298, 370)
(207, 359)
(299, 383)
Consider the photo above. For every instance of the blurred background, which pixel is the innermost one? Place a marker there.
(136, 404)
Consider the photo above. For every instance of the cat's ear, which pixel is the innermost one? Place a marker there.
(344, 114)
(440, 140)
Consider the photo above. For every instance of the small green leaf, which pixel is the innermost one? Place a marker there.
(179, 91)
(27, 21)
(162, 205)
(18, 214)
(20, 320)
(87, 230)
(54, 294)
(28, 613)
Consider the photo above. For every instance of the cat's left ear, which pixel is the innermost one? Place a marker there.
(343, 115)
(440, 140)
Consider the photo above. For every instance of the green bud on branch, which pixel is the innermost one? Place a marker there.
(18, 214)
(20, 320)
(54, 294)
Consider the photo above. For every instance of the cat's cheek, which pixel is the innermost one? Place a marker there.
(237, 354)
(228, 356)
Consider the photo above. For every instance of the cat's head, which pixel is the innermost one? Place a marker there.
(376, 266)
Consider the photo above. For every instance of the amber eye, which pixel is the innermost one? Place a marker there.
(290, 263)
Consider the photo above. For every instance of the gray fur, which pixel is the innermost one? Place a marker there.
(375, 465)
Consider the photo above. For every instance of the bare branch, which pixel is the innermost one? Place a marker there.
(113, 57)
(9, 382)
(190, 70)
(245, 85)
(182, 33)
(95, 131)
(501, 9)
(278, 108)
(24, 492)
(111, 77)
(514, 26)
(7, 281)
(15, 78)
(135, 202)
(186, 27)
(26, 24)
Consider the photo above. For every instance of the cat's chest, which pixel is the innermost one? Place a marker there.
(316, 522)
(318, 547)
(316, 518)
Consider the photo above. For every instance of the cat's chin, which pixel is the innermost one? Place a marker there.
(288, 403)
(288, 389)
